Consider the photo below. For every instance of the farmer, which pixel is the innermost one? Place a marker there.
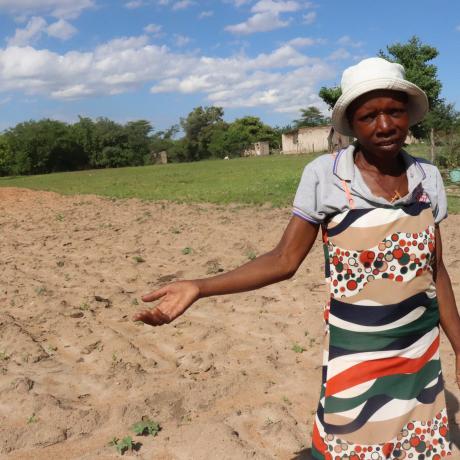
(379, 209)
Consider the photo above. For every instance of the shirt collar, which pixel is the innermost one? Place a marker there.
(344, 166)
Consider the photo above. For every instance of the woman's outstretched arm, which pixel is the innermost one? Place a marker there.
(279, 264)
(450, 319)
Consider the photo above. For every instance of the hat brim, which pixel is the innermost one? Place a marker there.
(417, 108)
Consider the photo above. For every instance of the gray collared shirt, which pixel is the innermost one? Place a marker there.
(320, 193)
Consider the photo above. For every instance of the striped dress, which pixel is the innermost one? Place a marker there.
(382, 392)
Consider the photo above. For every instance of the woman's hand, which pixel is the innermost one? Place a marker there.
(176, 298)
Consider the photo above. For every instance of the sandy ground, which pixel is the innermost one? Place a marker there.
(223, 380)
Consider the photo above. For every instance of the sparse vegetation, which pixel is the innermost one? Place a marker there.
(296, 348)
(146, 427)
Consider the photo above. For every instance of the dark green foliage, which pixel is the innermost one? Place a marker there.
(416, 59)
(330, 95)
(311, 117)
(146, 427)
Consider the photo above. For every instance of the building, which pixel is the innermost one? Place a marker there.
(259, 149)
(312, 140)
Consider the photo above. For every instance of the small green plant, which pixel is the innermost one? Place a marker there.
(138, 259)
(32, 419)
(134, 302)
(286, 400)
(297, 348)
(84, 306)
(60, 217)
(175, 230)
(4, 356)
(146, 427)
(251, 255)
(60, 263)
(126, 444)
(41, 290)
(187, 251)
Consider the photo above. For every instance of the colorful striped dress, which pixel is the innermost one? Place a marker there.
(382, 391)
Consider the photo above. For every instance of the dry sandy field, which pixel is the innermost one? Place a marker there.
(236, 377)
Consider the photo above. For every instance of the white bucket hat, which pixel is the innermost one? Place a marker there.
(369, 75)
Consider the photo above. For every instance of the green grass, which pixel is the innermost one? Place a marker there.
(252, 181)
(256, 180)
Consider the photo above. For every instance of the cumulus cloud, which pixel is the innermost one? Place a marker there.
(346, 40)
(61, 29)
(182, 4)
(300, 42)
(284, 79)
(58, 8)
(206, 14)
(309, 18)
(153, 28)
(266, 17)
(36, 27)
(133, 4)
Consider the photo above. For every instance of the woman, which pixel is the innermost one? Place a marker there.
(379, 209)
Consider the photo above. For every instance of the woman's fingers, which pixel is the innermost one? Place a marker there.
(154, 317)
(155, 295)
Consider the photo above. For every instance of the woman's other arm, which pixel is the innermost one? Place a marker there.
(279, 264)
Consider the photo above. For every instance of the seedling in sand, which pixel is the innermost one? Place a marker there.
(60, 217)
(84, 306)
(138, 259)
(187, 251)
(251, 255)
(32, 419)
(146, 427)
(122, 445)
(4, 356)
(297, 348)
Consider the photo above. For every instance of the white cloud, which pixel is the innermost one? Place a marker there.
(260, 22)
(271, 6)
(346, 40)
(153, 28)
(36, 27)
(29, 34)
(182, 4)
(181, 40)
(58, 8)
(300, 42)
(61, 29)
(133, 4)
(284, 79)
(309, 18)
(206, 14)
(339, 54)
(266, 17)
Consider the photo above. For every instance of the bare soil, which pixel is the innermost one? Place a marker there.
(223, 380)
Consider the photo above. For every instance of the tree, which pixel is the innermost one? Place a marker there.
(311, 117)
(35, 145)
(416, 59)
(330, 95)
(6, 158)
(197, 127)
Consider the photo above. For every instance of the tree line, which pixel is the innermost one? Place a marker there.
(37, 147)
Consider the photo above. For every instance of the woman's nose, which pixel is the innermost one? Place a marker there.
(385, 123)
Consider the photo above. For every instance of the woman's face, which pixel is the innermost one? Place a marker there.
(380, 122)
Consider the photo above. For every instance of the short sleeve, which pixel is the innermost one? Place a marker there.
(307, 201)
(440, 205)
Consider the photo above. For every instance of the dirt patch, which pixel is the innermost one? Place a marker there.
(223, 380)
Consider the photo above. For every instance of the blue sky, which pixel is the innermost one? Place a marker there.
(158, 59)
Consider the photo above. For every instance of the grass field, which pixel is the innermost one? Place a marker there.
(255, 180)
